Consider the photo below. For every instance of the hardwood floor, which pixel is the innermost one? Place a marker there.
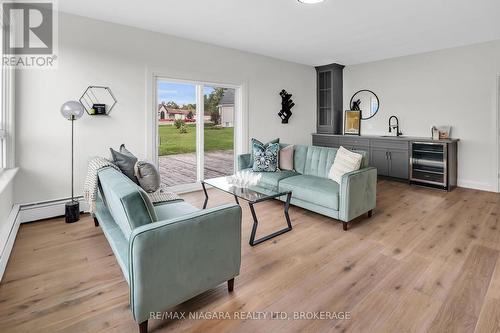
(427, 261)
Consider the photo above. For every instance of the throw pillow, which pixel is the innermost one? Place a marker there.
(345, 161)
(286, 158)
(265, 157)
(148, 176)
(277, 140)
(125, 151)
(125, 161)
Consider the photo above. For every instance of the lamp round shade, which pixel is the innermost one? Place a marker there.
(72, 110)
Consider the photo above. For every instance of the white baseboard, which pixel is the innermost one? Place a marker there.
(477, 185)
(7, 236)
(48, 209)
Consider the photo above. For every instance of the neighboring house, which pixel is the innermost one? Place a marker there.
(169, 114)
(162, 112)
(226, 108)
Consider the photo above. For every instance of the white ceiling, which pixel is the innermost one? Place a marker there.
(343, 31)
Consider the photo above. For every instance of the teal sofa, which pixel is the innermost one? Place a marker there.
(311, 189)
(170, 252)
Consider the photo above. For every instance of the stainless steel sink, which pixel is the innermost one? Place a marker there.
(392, 136)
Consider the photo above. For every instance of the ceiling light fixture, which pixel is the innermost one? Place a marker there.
(310, 2)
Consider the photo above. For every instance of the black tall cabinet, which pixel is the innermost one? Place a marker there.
(329, 93)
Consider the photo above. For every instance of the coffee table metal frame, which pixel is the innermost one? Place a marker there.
(251, 204)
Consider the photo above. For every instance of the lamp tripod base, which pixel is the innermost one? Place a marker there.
(72, 211)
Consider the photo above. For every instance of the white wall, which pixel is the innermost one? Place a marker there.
(97, 53)
(456, 87)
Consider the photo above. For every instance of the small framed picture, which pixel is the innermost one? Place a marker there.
(352, 122)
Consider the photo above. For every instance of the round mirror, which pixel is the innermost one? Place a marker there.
(365, 101)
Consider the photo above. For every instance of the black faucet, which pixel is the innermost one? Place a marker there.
(398, 133)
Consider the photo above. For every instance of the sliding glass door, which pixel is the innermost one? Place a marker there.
(218, 132)
(177, 133)
(196, 131)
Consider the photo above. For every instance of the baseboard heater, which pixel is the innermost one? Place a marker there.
(47, 209)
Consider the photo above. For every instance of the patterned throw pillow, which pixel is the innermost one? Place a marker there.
(277, 140)
(265, 157)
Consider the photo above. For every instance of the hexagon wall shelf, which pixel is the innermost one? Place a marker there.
(100, 99)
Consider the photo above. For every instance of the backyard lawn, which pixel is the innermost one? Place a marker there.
(173, 142)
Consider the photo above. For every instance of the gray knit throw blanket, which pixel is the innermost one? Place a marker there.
(90, 187)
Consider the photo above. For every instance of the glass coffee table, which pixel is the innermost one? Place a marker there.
(253, 194)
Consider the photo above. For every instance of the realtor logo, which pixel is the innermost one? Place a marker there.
(29, 34)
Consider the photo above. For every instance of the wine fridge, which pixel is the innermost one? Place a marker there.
(434, 164)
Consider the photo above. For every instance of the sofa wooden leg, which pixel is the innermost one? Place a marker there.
(230, 285)
(143, 327)
(370, 213)
(96, 222)
(344, 226)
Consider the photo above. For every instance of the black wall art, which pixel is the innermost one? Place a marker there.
(286, 106)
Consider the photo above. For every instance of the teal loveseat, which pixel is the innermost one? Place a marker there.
(170, 252)
(311, 189)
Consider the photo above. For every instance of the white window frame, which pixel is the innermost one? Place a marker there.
(7, 157)
(240, 124)
(8, 114)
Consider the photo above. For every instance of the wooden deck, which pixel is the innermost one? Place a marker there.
(181, 168)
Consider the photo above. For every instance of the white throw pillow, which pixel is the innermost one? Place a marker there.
(345, 161)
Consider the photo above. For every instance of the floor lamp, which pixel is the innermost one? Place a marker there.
(72, 110)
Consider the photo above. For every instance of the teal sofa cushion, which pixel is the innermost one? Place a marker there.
(299, 158)
(270, 180)
(317, 190)
(244, 161)
(319, 160)
(116, 239)
(170, 210)
(128, 204)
